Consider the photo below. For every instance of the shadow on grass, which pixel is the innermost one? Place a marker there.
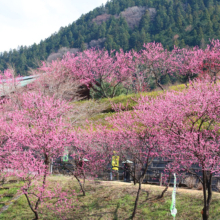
(116, 211)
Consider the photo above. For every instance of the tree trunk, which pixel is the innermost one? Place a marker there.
(167, 186)
(159, 85)
(36, 216)
(44, 182)
(81, 185)
(136, 201)
(157, 81)
(207, 185)
(141, 179)
(84, 181)
(134, 177)
(34, 211)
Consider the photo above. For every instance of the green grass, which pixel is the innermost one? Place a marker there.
(6, 195)
(127, 101)
(115, 200)
(130, 100)
(104, 106)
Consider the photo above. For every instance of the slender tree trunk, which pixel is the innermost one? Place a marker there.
(84, 181)
(159, 85)
(204, 217)
(81, 185)
(36, 216)
(141, 179)
(167, 186)
(29, 203)
(34, 211)
(157, 81)
(44, 182)
(207, 184)
(136, 201)
(215, 78)
(139, 188)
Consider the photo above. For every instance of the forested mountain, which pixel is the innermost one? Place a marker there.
(127, 24)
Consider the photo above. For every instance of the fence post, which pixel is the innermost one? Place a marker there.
(51, 166)
(161, 181)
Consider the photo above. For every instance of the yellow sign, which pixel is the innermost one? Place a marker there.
(115, 162)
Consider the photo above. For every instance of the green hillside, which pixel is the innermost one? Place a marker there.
(119, 24)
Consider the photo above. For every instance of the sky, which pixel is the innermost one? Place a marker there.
(25, 22)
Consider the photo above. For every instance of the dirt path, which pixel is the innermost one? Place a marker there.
(154, 187)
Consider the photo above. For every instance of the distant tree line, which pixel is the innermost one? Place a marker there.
(177, 22)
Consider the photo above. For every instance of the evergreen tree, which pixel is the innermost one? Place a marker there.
(215, 23)
(64, 42)
(133, 40)
(80, 42)
(206, 15)
(102, 30)
(95, 31)
(145, 22)
(202, 43)
(190, 19)
(182, 43)
(201, 5)
(70, 38)
(42, 50)
(188, 9)
(109, 42)
(22, 62)
(195, 18)
(208, 3)
(124, 41)
(200, 34)
(195, 6)
(209, 28)
(195, 38)
(158, 24)
(170, 32)
(167, 22)
(179, 22)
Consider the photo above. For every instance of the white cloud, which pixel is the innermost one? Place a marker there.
(24, 22)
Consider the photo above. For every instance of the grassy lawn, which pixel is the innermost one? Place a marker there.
(115, 200)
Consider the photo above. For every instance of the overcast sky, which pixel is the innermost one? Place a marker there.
(24, 22)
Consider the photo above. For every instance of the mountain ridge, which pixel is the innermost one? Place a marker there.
(127, 24)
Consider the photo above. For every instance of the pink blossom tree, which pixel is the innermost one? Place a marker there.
(32, 171)
(102, 71)
(154, 62)
(39, 135)
(190, 130)
(8, 83)
(135, 138)
(188, 62)
(211, 62)
(88, 155)
(96, 69)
